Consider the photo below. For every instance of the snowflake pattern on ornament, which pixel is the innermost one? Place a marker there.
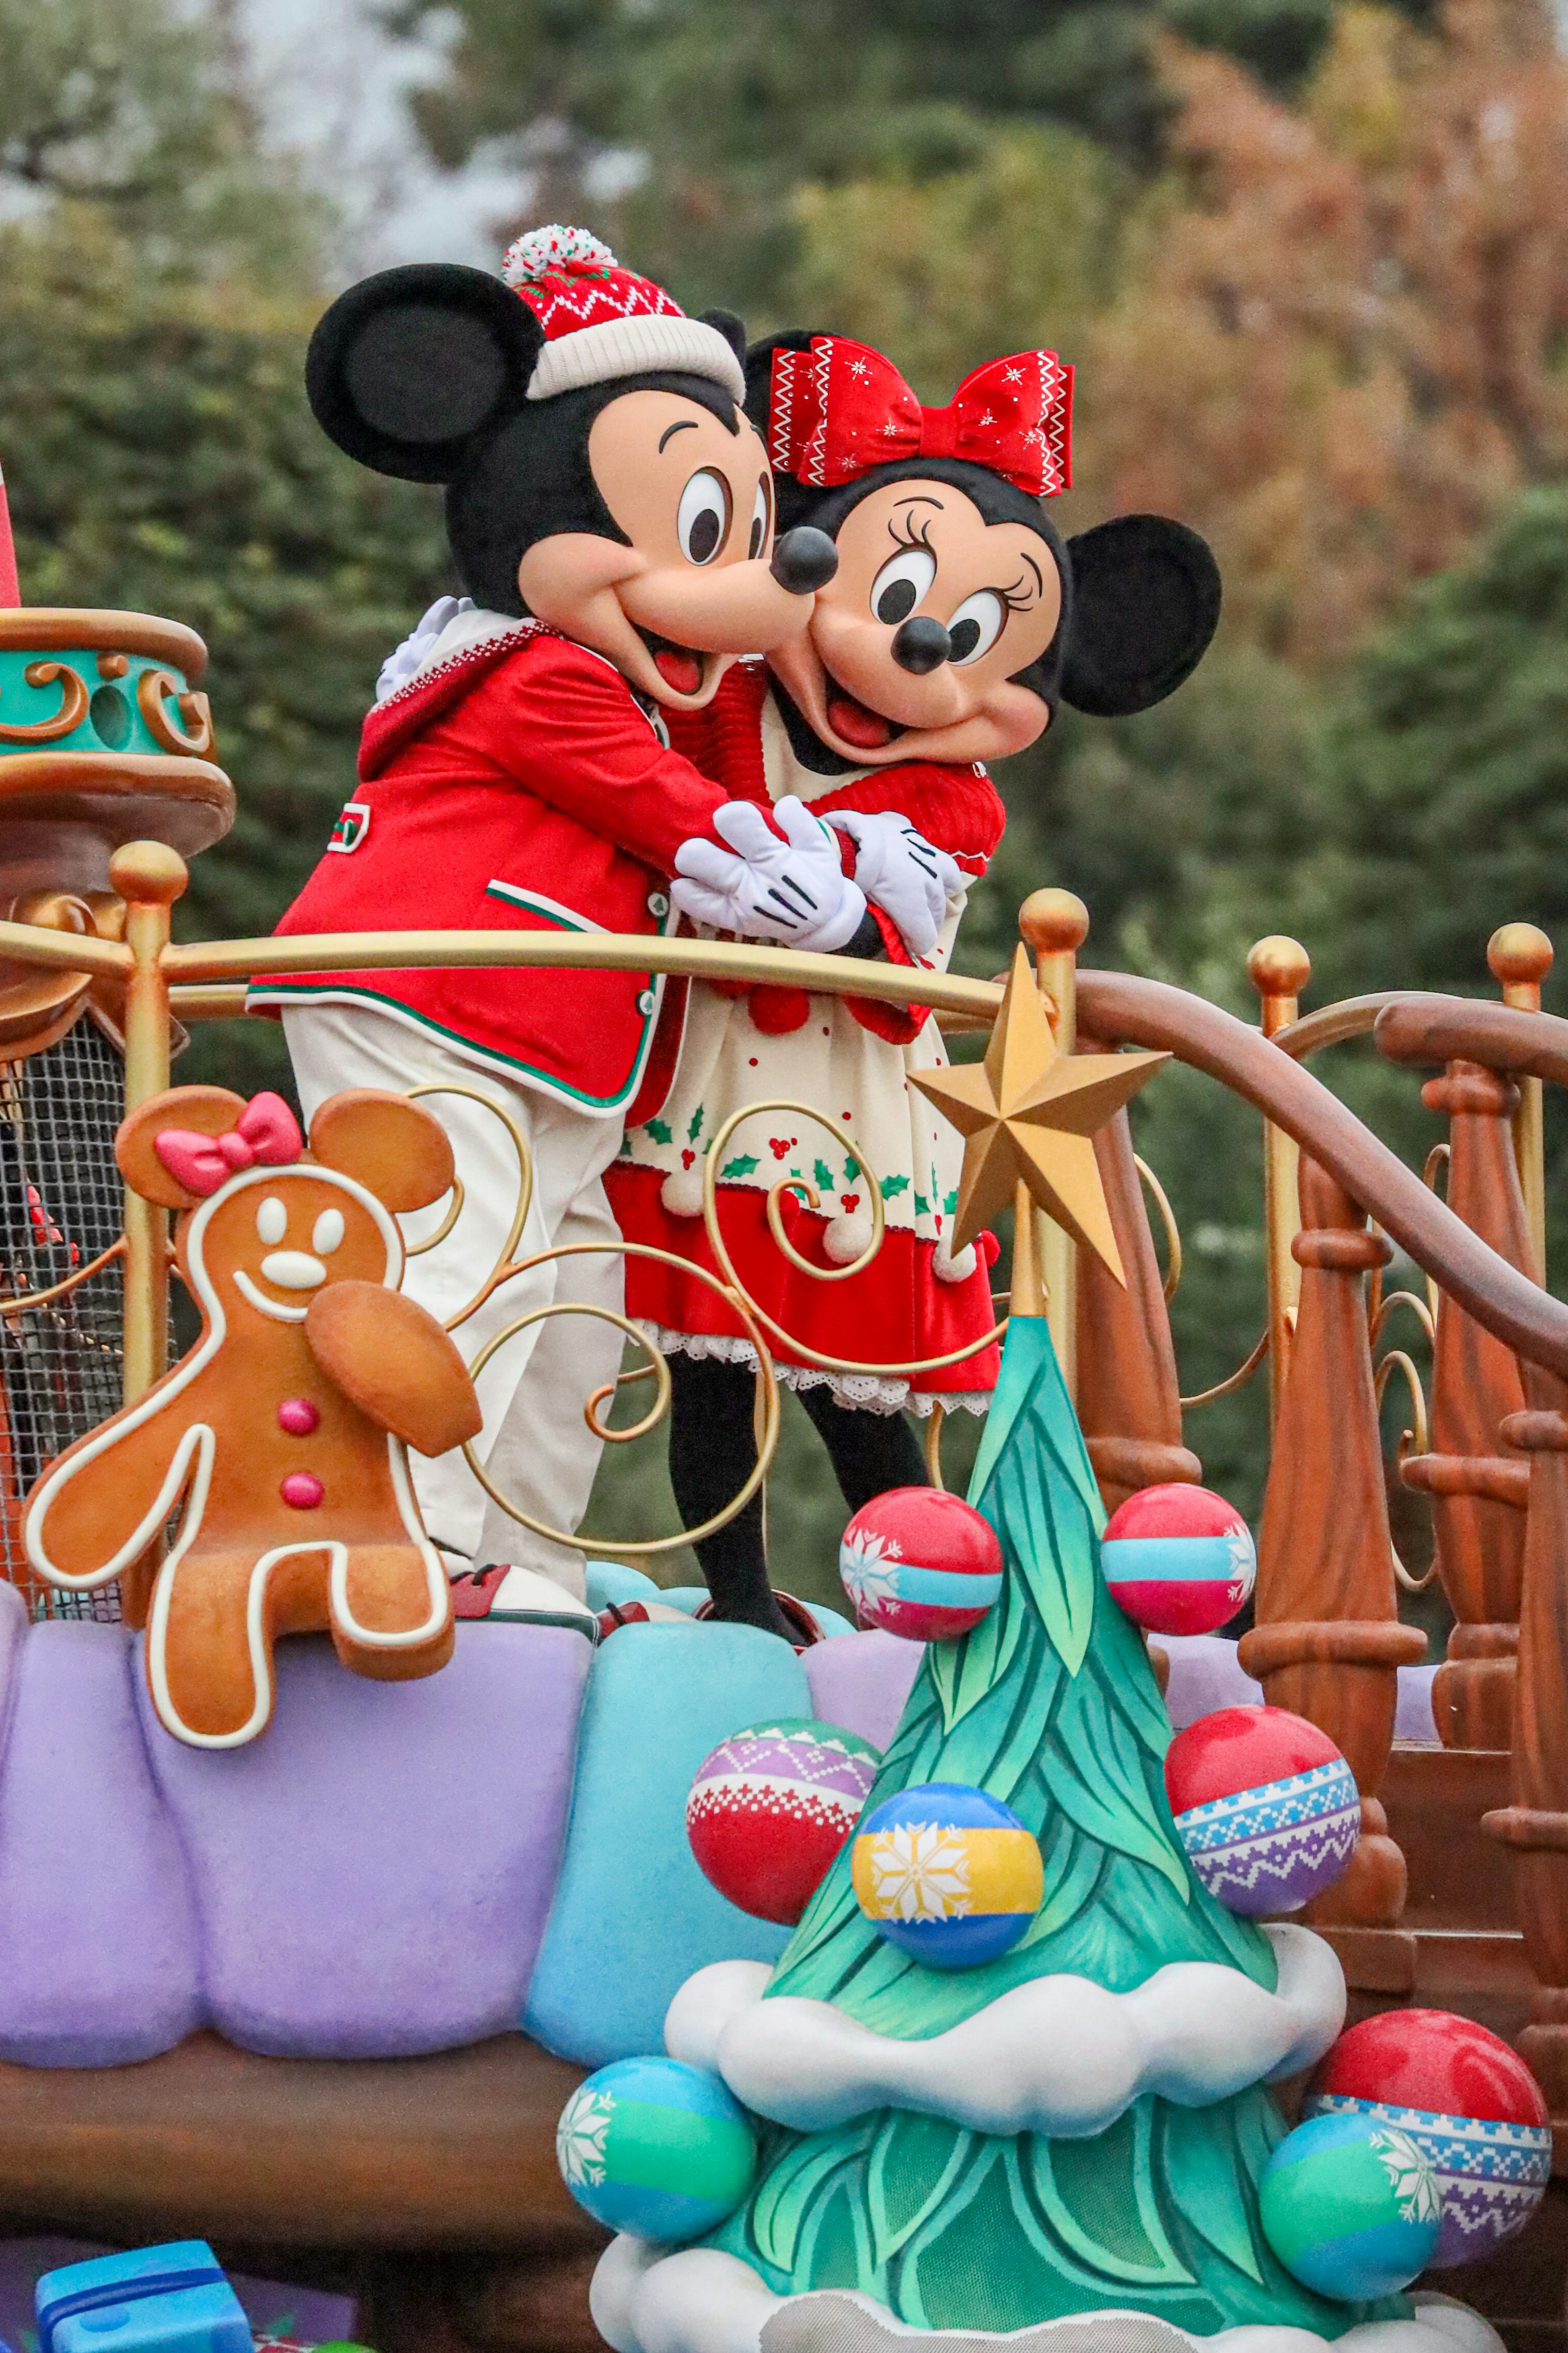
(865, 1580)
(580, 2136)
(1413, 2183)
(1239, 1548)
(921, 1873)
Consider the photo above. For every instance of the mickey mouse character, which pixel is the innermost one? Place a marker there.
(609, 508)
(956, 619)
(282, 1432)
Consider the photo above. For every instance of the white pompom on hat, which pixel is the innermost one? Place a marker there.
(601, 322)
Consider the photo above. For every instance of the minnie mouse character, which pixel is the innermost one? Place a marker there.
(956, 619)
(609, 509)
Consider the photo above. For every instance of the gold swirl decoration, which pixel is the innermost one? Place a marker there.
(70, 715)
(812, 1199)
(191, 737)
(507, 1267)
(658, 1366)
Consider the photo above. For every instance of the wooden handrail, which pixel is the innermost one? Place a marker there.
(1472, 1029)
(1152, 1014)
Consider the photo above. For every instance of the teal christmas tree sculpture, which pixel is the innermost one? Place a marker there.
(1050, 1706)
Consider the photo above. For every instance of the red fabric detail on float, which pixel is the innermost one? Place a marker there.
(895, 1311)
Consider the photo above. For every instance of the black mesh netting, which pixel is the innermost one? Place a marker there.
(61, 1205)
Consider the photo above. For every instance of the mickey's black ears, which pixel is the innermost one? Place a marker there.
(408, 366)
(1146, 604)
(732, 329)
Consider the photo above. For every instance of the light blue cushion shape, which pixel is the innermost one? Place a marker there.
(633, 1915)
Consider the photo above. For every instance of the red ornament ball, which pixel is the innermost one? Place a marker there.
(1266, 1807)
(1469, 2104)
(922, 1563)
(771, 1806)
(1178, 1559)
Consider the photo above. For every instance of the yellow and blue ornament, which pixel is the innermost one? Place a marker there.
(947, 1873)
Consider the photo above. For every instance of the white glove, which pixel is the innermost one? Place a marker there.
(909, 878)
(401, 664)
(794, 890)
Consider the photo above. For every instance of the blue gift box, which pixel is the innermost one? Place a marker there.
(171, 2299)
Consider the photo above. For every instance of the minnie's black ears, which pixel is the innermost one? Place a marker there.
(758, 364)
(1146, 604)
(408, 366)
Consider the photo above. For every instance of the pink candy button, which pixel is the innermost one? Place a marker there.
(302, 1489)
(298, 1416)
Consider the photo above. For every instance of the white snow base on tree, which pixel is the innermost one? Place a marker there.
(645, 2300)
(1060, 2056)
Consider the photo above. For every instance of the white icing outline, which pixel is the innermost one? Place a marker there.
(1059, 2055)
(200, 1442)
(262, 1304)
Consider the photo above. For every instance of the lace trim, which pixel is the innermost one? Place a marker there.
(870, 1392)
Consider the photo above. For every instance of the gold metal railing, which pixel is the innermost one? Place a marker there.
(164, 982)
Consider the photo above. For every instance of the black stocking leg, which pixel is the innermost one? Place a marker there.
(712, 1453)
(870, 1452)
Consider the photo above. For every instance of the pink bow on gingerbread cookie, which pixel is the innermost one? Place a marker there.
(266, 1130)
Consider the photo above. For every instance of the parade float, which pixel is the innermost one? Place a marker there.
(628, 1977)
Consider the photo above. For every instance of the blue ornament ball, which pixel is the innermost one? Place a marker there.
(656, 2149)
(1350, 2208)
(948, 1874)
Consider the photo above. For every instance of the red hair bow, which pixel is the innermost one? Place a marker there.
(266, 1130)
(840, 408)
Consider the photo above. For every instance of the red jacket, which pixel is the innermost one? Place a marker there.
(518, 787)
(958, 808)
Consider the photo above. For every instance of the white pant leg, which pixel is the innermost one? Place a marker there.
(545, 1454)
(332, 1047)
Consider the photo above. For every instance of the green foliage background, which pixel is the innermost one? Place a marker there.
(949, 180)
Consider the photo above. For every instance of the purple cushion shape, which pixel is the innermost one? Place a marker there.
(862, 1681)
(372, 1876)
(98, 1953)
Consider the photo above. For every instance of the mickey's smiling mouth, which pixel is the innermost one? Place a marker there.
(680, 667)
(853, 723)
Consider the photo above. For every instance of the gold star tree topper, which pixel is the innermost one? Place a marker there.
(1027, 1114)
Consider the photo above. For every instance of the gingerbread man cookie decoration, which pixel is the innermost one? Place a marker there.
(283, 1430)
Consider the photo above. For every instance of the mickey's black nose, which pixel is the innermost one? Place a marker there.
(804, 560)
(920, 644)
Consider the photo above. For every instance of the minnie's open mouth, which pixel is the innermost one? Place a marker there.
(852, 723)
(680, 667)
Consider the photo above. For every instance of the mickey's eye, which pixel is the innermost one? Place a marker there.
(703, 518)
(271, 1221)
(759, 523)
(901, 583)
(976, 627)
(328, 1232)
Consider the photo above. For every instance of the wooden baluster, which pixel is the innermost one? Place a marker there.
(1327, 1641)
(1478, 1492)
(1128, 1397)
(1536, 1824)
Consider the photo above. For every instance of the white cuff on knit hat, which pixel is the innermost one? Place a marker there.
(618, 347)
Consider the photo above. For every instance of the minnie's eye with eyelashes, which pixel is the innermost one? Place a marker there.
(976, 627)
(271, 1221)
(703, 518)
(759, 523)
(327, 1233)
(902, 580)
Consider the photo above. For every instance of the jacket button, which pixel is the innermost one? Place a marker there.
(646, 1002)
(658, 905)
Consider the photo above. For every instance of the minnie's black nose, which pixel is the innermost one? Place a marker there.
(920, 644)
(805, 560)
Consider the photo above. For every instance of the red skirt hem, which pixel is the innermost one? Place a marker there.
(894, 1313)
